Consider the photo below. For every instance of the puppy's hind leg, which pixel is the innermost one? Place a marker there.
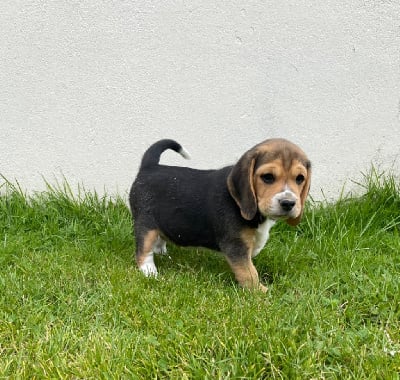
(160, 246)
(145, 242)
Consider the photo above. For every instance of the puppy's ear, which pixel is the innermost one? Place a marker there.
(241, 185)
(303, 196)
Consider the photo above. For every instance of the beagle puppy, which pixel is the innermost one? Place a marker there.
(230, 210)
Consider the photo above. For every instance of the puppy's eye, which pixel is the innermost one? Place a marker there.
(268, 178)
(300, 179)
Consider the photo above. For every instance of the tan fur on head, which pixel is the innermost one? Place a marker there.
(266, 176)
(303, 196)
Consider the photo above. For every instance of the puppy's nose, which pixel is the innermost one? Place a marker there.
(287, 204)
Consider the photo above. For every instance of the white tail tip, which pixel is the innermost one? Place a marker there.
(184, 153)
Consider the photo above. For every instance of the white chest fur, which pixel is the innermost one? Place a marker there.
(261, 236)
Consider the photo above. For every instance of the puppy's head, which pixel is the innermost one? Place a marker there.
(273, 178)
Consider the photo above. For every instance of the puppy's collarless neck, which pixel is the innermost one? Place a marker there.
(257, 220)
(260, 218)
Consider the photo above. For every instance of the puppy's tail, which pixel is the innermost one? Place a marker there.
(152, 155)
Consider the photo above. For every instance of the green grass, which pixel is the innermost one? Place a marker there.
(73, 305)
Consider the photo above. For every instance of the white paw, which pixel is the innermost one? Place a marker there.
(148, 268)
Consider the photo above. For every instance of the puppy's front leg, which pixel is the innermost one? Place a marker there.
(244, 270)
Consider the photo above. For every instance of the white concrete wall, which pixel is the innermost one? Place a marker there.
(86, 86)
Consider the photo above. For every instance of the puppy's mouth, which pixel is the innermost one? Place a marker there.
(281, 215)
(283, 209)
